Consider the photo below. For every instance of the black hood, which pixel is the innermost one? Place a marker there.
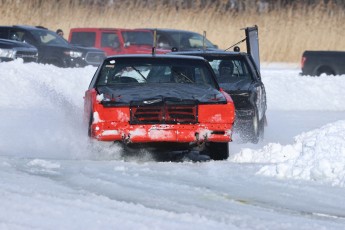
(126, 93)
(10, 44)
(84, 49)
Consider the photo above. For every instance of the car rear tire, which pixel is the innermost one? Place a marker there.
(254, 129)
(218, 151)
(325, 70)
(262, 125)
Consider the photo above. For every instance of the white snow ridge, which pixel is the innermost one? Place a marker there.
(317, 155)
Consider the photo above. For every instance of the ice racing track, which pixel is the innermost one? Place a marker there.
(53, 177)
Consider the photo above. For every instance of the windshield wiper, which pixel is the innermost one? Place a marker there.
(139, 73)
(182, 75)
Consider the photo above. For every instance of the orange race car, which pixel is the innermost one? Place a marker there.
(162, 101)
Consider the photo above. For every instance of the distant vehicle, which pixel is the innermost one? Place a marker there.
(113, 41)
(316, 63)
(181, 40)
(160, 101)
(238, 74)
(10, 50)
(53, 49)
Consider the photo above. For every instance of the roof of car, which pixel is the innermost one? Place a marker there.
(29, 27)
(158, 56)
(101, 28)
(170, 30)
(212, 52)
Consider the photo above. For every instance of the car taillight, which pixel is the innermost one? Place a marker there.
(303, 61)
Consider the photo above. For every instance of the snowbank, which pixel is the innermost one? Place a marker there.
(44, 86)
(318, 155)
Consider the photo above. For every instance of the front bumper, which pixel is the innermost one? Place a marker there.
(80, 62)
(179, 133)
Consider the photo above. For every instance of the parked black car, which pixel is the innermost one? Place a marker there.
(53, 49)
(181, 40)
(10, 50)
(238, 74)
(315, 63)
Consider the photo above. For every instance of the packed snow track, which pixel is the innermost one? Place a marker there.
(54, 177)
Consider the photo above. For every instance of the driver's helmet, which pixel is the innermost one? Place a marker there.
(226, 68)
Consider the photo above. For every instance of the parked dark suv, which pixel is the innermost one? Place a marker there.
(181, 40)
(53, 49)
(10, 50)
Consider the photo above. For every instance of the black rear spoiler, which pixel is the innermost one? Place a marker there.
(252, 41)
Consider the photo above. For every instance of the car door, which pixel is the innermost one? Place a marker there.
(111, 42)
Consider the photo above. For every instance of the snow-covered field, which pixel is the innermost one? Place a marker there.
(53, 177)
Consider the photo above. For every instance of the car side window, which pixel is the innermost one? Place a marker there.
(110, 40)
(27, 38)
(163, 42)
(16, 35)
(86, 39)
(3, 33)
(195, 42)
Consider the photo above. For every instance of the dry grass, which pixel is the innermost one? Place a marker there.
(284, 34)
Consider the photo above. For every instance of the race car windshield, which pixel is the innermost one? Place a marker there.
(153, 71)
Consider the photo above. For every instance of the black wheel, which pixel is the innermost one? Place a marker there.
(262, 124)
(325, 70)
(254, 128)
(218, 151)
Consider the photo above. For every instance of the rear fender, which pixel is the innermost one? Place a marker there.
(218, 113)
(89, 101)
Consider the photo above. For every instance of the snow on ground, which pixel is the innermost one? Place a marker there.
(53, 177)
(317, 155)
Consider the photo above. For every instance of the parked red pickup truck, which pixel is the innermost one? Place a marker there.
(113, 40)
